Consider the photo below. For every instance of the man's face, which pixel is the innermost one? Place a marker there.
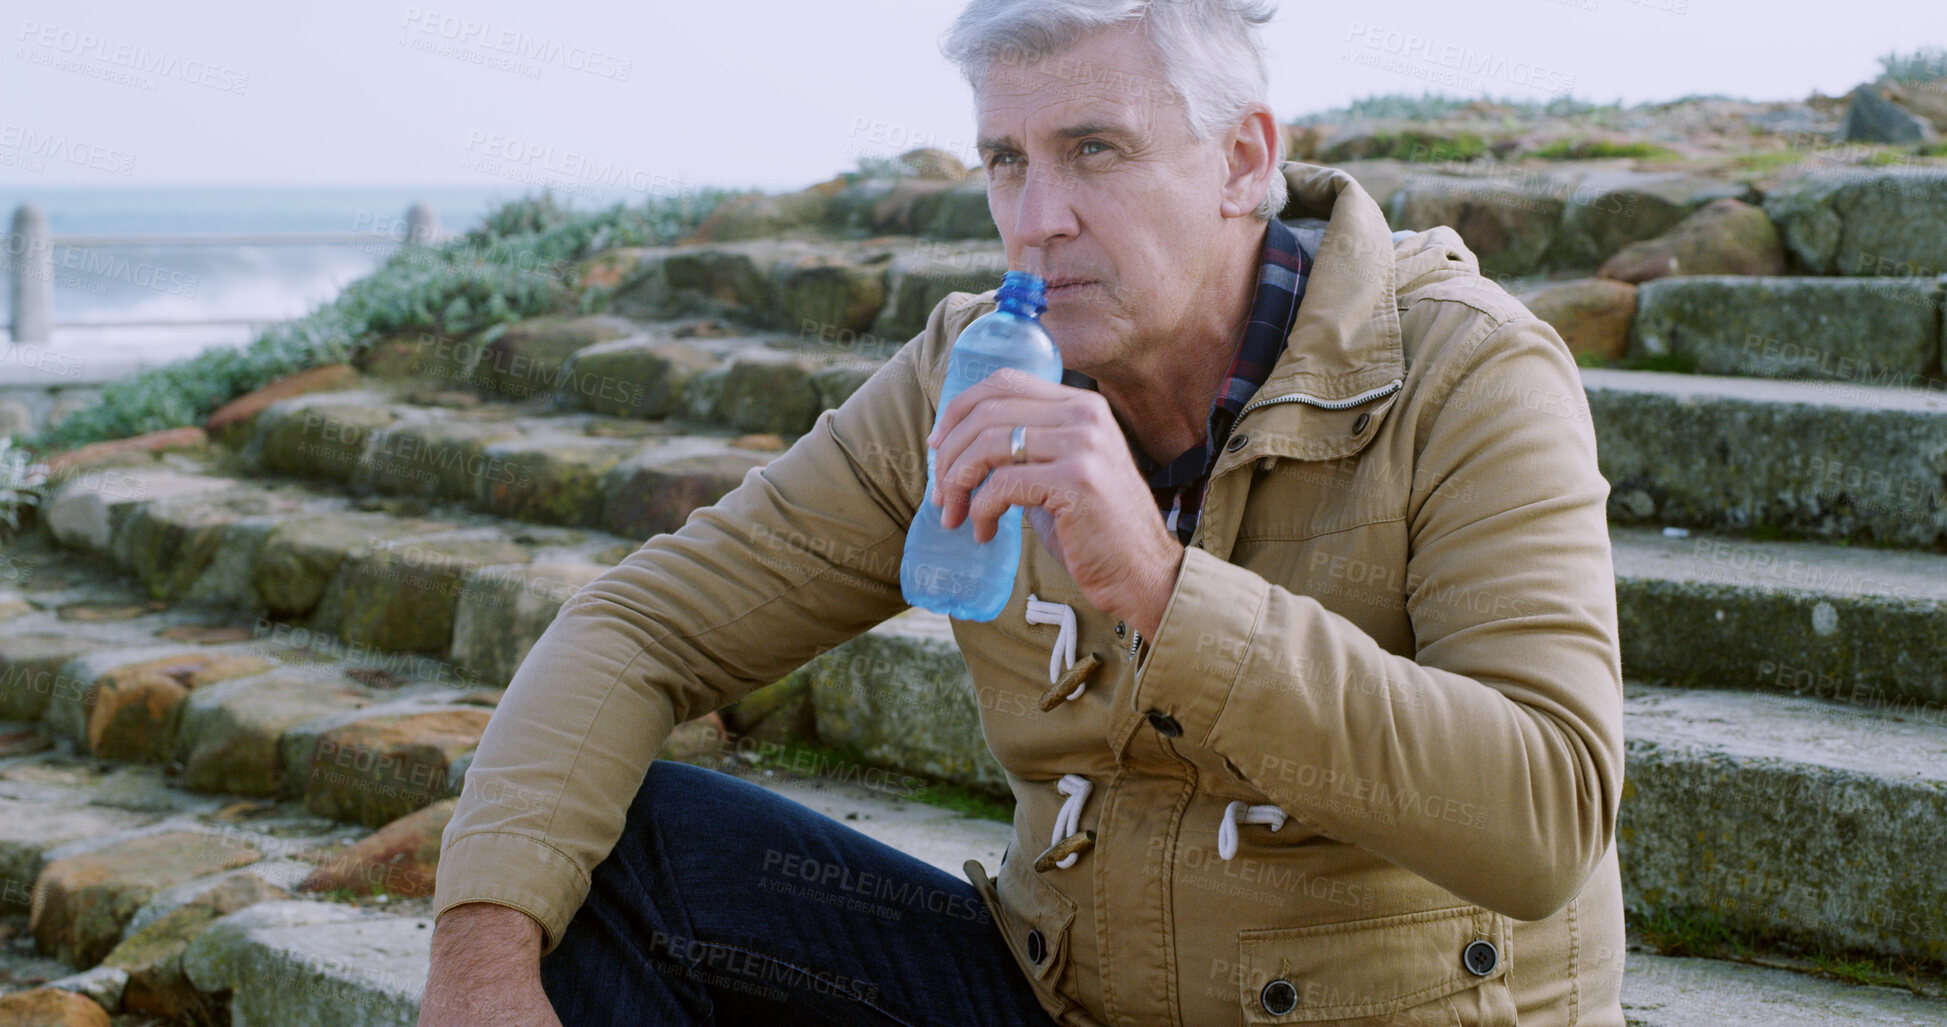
(1096, 184)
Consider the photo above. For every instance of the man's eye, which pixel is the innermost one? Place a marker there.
(1000, 159)
(1091, 147)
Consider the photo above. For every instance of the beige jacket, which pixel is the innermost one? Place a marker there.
(1395, 632)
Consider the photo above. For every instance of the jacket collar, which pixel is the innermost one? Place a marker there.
(1345, 341)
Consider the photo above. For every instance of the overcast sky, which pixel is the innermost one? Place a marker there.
(618, 100)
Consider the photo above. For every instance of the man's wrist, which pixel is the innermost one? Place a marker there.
(486, 935)
(1152, 598)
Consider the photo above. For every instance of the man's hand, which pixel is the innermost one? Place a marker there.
(486, 970)
(1080, 488)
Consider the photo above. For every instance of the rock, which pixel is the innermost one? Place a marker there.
(633, 377)
(1879, 332)
(933, 163)
(1412, 142)
(438, 460)
(419, 355)
(549, 479)
(1591, 314)
(400, 595)
(503, 611)
(301, 556)
(30, 672)
(1886, 222)
(657, 491)
(768, 391)
(899, 696)
(763, 442)
(87, 511)
(240, 411)
(824, 290)
(891, 209)
(756, 216)
(1726, 237)
(1926, 100)
(132, 709)
(15, 418)
(169, 544)
(916, 283)
(1509, 225)
(152, 955)
(526, 358)
(720, 279)
(1611, 209)
(960, 212)
(229, 733)
(99, 454)
(50, 1007)
(779, 713)
(1379, 178)
(1871, 118)
(81, 902)
(29, 829)
(314, 964)
(397, 859)
(104, 984)
(695, 741)
(376, 770)
(317, 436)
(835, 384)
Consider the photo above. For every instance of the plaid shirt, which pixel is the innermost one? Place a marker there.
(1283, 270)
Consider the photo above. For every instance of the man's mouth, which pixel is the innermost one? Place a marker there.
(1064, 288)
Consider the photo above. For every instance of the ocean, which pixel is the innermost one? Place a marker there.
(124, 307)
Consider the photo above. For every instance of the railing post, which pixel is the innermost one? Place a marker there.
(422, 224)
(30, 262)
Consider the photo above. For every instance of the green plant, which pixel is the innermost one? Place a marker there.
(1922, 65)
(1599, 149)
(20, 485)
(518, 263)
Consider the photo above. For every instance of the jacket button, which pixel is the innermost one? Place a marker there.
(1164, 724)
(1037, 948)
(1279, 997)
(1237, 442)
(1121, 629)
(1359, 423)
(1480, 958)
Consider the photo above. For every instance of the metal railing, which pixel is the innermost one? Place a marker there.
(30, 258)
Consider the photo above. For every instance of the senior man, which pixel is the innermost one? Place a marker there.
(1308, 689)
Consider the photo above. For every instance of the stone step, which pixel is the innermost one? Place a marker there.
(1865, 627)
(1867, 331)
(324, 965)
(1824, 460)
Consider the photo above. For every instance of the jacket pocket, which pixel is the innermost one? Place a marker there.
(1438, 967)
(1036, 919)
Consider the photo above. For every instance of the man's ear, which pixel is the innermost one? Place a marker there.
(1251, 158)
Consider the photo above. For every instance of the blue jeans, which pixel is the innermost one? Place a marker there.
(723, 903)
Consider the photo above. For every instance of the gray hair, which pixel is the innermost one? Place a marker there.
(1209, 49)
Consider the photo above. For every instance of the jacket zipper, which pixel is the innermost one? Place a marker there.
(1327, 404)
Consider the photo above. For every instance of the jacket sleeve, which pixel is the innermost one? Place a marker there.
(1491, 762)
(801, 556)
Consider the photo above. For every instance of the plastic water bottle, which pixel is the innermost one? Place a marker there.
(946, 571)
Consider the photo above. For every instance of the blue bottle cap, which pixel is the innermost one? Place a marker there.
(1023, 291)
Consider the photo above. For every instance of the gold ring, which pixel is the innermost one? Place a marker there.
(1017, 444)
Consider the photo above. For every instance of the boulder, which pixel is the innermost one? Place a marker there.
(132, 711)
(375, 770)
(1611, 209)
(1880, 222)
(317, 436)
(301, 556)
(1871, 118)
(656, 491)
(400, 596)
(152, 955)
(525, 359)
(633, 377)
(828, 290)
(957, 213)
(1879, 332)
(418, 355)
(890, 211)
(31, 828)
(51, 1007)
(435, 460)
(30, 672)
(1726, 237)
(1924, 99)
(549, 479)
(1509, 224)
(229, 417)
(933, 163)
(916, 283)
(82, 902)
(229, 733)
(312, 964)
(397, 859)
(768, 391)
(717, 279)
(757, 216)
(137, 449)
(504, 610)
(1591, 314)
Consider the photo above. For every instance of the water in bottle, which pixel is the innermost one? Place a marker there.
(946, 571)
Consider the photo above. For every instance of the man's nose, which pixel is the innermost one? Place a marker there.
(1047, 210)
